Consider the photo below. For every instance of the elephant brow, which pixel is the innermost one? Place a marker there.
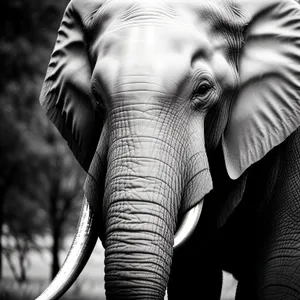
(229, 21)
(138, 11)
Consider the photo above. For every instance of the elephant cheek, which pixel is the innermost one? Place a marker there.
(198, 183)
(94, 183)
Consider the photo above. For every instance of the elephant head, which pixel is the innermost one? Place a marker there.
(143, 91)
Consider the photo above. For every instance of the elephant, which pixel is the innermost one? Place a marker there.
(185, 115)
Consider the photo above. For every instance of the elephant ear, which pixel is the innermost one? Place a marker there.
(267, 108)
(66, 93)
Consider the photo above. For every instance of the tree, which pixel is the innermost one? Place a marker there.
(63, 201)
(27, 32)
(45, 181)
(19, 238)
(23, 182)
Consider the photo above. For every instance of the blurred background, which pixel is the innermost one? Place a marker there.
(40, 181)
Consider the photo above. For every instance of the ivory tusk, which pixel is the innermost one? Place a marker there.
(79, 253)
(188, 225)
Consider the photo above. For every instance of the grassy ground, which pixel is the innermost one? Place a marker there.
(89, 285)
(9, 290)
(89, 289)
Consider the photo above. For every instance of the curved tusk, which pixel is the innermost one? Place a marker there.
(188, 225)
(79, 253)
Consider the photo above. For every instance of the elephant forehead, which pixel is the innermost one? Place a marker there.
(111, 14)
(170, 7)
(161, 38)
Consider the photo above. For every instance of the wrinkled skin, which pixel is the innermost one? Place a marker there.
(166, 103)
(259, 244)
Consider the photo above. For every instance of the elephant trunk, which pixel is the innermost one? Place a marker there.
(143, 190)
(141, 201)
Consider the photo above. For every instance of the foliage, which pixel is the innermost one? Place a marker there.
(63, 199)
(28, 30)
(39, 179)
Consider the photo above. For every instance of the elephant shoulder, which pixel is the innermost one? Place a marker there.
(248, 195)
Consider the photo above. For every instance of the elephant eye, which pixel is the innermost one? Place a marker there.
(203, 95)
(202, 90)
